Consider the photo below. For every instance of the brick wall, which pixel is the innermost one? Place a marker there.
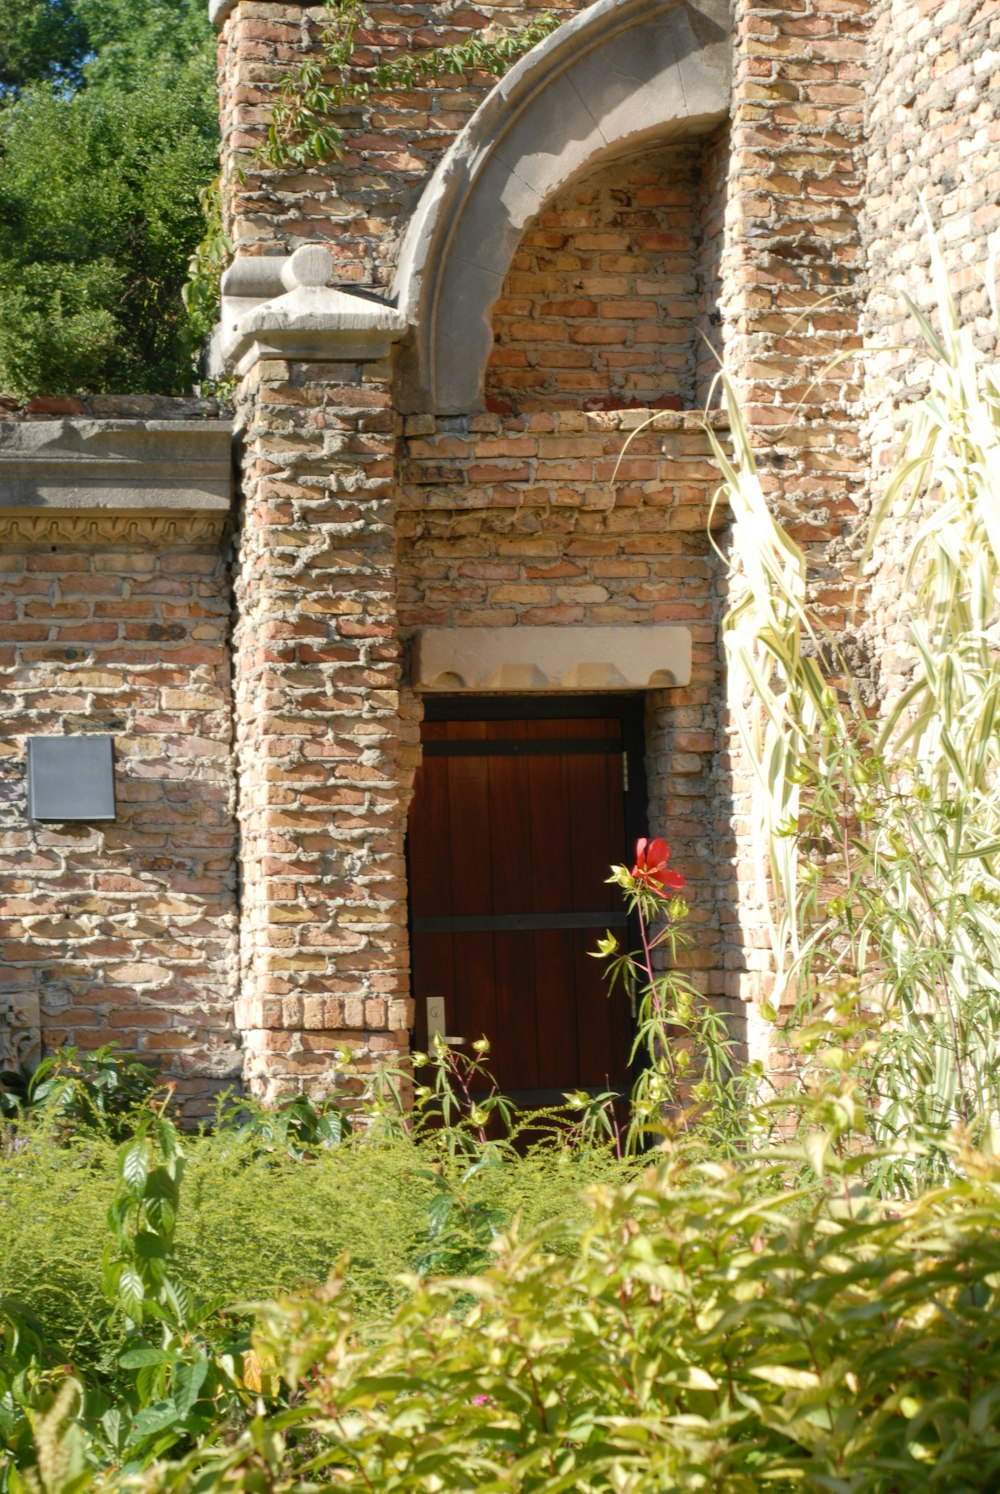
(762, 242)
(605, 305)
(932, 129)
(779, 241)
(125, 932)
(360, 207)
(515, 521)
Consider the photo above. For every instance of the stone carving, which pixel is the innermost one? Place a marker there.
(20, 1032)
(110, 528)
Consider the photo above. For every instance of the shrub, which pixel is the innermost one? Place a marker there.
(255, 1217)
(713, 1329)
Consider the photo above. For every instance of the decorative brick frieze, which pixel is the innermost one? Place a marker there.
(110, 528)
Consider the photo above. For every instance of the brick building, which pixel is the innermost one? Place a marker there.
(395, 664)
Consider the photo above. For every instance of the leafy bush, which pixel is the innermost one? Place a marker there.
(269, 1202)
(99, 1090)
(99, 213)
(714, 1329)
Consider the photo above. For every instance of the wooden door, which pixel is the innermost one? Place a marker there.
(515, 823)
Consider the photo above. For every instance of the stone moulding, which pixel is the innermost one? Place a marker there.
(618, 77)
(20, 1032)
(86, 465)
(18, 528)
(284, 307)
(523, 659)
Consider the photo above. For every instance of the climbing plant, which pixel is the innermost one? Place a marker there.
(303, 130)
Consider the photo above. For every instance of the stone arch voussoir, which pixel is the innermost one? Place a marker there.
(619, 76)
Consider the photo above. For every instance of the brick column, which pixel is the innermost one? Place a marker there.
(323, 907)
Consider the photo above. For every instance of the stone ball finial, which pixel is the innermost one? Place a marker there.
(310, 267)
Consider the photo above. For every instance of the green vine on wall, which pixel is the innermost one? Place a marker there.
(302, 131)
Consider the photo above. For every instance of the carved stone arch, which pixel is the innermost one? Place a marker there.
(618, 77)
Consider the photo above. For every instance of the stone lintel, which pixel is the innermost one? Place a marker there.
(524, 659)
(284, 307)
(83, 465)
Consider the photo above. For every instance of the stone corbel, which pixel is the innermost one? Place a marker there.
(286, 308)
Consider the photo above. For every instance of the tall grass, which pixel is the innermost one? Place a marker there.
(877, 842)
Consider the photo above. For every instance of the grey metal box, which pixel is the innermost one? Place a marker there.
(71, 778)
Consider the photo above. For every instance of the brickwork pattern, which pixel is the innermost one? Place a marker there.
(792, 283)
(524, 521)
(933, 130)
(359, 206)
(126, 931)
(518, 516)
(323, 942)
(604, 305)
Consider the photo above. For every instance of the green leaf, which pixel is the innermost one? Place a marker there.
(131, 1291)
(187, 1383)
(137, 1358)
(158, 1417)
(135, 1167)
(785, 1375)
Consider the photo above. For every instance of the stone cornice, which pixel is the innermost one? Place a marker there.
(286, 308)
(89, 466)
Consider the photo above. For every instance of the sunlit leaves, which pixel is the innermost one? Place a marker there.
(876, 842)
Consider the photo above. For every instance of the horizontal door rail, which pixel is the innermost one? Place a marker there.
(490, 923)
(522, 746)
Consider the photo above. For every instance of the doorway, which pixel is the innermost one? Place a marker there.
(521, 805)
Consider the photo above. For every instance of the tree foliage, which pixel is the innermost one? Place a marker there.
(41, 41)
(100, 195)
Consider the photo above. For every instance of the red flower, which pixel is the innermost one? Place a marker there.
(651, 857)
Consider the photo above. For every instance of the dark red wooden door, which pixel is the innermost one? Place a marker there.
(514, 825)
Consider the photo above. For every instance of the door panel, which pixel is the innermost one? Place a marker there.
(514, 825)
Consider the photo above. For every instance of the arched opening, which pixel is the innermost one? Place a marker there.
(620, 76)
(610, 299)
